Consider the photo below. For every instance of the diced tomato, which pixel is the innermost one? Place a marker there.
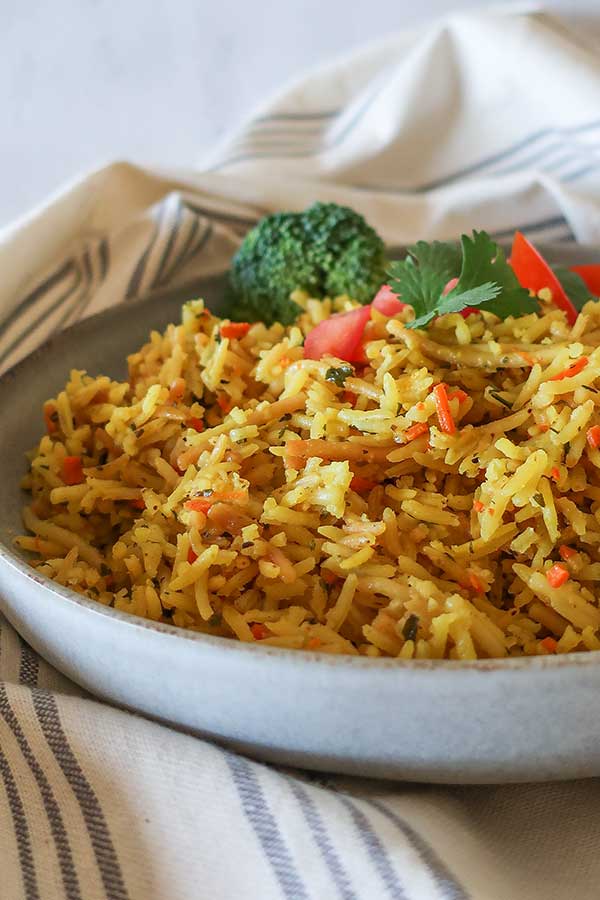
(191, 557)
(339, 335)
(235, 329)
(387, 302)
(72, 470)
(137, 504)
(555, 473)
(362, 485)
(259, 631)
(349, 397)
(566, 553)
(591, 277)
(196, 424)
(550, 644)
(534, 273)
(557, 575)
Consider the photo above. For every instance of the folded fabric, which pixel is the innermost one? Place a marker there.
(479, 121)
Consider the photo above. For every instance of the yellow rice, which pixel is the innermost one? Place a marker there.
(440, 551)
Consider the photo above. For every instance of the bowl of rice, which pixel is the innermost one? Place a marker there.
(382, 562)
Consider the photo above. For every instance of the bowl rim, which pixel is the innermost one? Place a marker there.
(11, 559)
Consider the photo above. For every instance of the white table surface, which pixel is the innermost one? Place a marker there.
(83, 82)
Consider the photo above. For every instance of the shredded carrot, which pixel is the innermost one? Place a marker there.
(593, 436)
(442, 408)
(415, 431)
(225, 403)
(177, 389)
(50, 418)
(475, 583)
(575, 369)
(259, 631)
(555, 473)
(328, 576)
(72, 470)
(203, 504)
(557, 575)
(284, 362)
(420, 406)
(566, 553)
(349, 397)
(199, 504)
(458, 394)
(196, 423)
(192, 557)
(527, 357)
(543, 428)
(137, 504)
(314, 643)
(235, 329)
(549, 644)
(478, 506)
(362, 485)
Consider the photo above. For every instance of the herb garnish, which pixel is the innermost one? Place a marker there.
(409, 629)
(338, 375)
(485, 280)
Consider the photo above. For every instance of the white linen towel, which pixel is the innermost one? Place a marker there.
(482, 120)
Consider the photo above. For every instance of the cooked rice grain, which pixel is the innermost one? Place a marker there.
(231, 488)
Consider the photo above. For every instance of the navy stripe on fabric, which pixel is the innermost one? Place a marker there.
(23, 838)
(531, 227)
(170, 242)
(29, 666)
(182, 256)
(140, 267)
(225, 218)
(501, 155)
(40, 321)
(58, 275)
(297, 117)
(377, 852)
(449, 886)
(265, 828)
(315, 822)
(192, 250)
(107, 861)
(51, 807)
(104, 255)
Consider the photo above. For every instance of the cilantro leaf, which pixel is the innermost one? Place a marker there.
(485, 280)
(423, 275)
(574, 286)
(484, 261)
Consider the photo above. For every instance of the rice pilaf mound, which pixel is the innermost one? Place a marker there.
(235, 488)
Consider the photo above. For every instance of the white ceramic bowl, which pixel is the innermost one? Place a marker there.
(485, 721)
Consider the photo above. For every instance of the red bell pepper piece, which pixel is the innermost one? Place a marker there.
(590, 275)
(534, 273)
(339, 335)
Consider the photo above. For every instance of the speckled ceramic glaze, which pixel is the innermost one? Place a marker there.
(444, 721)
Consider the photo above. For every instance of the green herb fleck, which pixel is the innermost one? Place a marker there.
(338, 375)
(409, 629)
(500, 399)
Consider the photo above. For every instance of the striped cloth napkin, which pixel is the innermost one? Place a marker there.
(488, 121)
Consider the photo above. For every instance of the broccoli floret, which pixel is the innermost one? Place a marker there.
(326, 250)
